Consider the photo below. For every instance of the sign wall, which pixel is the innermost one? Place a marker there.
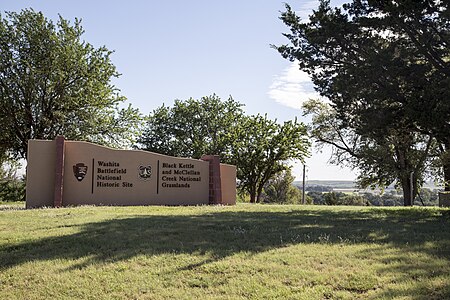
(97, 175)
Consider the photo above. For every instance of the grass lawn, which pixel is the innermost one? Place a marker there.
(211, 252)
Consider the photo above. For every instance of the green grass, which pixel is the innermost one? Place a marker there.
(5, 205)
(210, 252)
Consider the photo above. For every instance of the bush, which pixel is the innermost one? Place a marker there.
(12, 186)
(280, 189)
(12, 190)
(350, 199)
(338, 198)
(316, 197)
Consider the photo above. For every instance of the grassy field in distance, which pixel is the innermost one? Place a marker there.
(214, 252)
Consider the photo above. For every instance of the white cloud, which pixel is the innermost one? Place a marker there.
(292, 87)
(305, 9)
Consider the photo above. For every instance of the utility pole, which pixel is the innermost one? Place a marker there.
(303, 189)
(411, 182)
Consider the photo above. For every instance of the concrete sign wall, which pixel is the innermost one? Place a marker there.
(61, 173)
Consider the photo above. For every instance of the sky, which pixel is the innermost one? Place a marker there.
(167, 50)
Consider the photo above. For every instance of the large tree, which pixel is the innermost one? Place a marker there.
(263, 149)
(393, 156)
(54, 83)
(192, 128)
(382, 64)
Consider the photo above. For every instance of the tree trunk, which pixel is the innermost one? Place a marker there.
(258, 193)
(446, 169)
(446, 165)
(406, 187)
(252, 196)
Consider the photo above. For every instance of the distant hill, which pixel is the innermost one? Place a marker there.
(337, 184)
(348, 184)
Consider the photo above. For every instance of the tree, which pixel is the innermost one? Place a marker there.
(332, 198)
(54, 83)
(279, 189)
(393, 156)
(380, 63)
(339, 198)
(262, 150)
(351, 199)
(193, 128)
(317, 197)
(424, 27)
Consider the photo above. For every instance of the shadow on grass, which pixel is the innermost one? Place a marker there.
(225, 233)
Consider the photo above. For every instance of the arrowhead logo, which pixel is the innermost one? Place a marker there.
(80, 170)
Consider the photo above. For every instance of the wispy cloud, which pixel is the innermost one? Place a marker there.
(305, 8)
(292, 87)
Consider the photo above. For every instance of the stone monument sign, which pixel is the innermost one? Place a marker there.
(65, 173)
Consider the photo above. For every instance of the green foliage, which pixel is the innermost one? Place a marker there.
(331, 198)
(279, 189)
(193, 128)
(12, 189)
(259, 147)
(428, 197)
(242, 196)
(54, 83)
(262, 150)
(391, 158)
(316, 197)
(338, 198)
(385, 199)
(351, 199)
(382, 64)
(12, 186)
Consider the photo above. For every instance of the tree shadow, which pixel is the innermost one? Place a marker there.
(224, 233)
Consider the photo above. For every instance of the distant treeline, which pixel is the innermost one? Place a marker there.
(426, 197)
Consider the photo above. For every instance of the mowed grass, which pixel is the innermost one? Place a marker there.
(213, 252)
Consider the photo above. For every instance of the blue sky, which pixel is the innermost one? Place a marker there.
(167, 50)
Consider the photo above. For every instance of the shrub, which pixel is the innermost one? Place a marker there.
(12, 185)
